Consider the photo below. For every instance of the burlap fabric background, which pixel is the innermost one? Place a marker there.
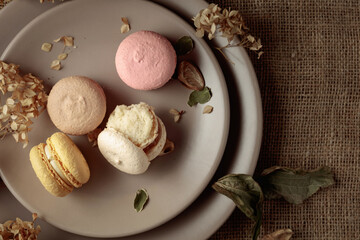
(310, 87)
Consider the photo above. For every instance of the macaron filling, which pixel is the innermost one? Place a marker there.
(50, 157)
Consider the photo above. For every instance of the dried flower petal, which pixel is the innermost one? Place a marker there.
(62, 56)
(46, 47)
(68, 41)
(55, 65)
(125, 27)
(208, 109)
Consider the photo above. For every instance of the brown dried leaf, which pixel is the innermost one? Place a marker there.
(190, 76)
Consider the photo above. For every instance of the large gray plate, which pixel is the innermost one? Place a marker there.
(104, 206)
(210, 210)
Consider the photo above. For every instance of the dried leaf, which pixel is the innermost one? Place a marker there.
(184, 45)
(190, 76)
(202, 96)
(282, 234)
(294, 185)
(141, 199)
(246, 193)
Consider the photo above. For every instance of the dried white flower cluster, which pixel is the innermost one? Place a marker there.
(20, 229)
(227, 22)
(27, 100)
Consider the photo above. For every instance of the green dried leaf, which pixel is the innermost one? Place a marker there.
(202, 96)
(141, 199)
(294, 185)
(246, 193)
(184, 45)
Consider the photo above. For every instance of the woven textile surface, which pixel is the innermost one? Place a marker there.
(310, 88)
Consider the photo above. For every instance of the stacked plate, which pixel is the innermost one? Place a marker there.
(182, 204)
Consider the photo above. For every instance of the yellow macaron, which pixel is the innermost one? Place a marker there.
(59, 165)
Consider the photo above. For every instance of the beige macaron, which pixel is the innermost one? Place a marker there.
(76, 105)
(59, 165)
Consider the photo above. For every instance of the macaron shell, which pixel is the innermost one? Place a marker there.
(120, 152)
(137, 122)
(154, 149)
(71, 159)
(45, 175)
(76, 105)
(145, 60)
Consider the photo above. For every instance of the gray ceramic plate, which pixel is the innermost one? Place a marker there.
(103, 207)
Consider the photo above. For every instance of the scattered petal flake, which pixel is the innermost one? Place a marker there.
(141, 199)
(28, 100)
(176, 114)
(20, 229)
(208, 109)
(62, 56)
(46, 47)
(69, 41)
(55, 65)
(125, 27)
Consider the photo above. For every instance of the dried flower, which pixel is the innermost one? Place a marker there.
(27, 100)
(176, 114)
(229, 23)
(20, 229)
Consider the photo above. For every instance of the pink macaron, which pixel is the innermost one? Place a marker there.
(76, 105)
(145, 60)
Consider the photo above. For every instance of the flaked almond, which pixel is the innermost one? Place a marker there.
(46, 47)
(190, 76)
